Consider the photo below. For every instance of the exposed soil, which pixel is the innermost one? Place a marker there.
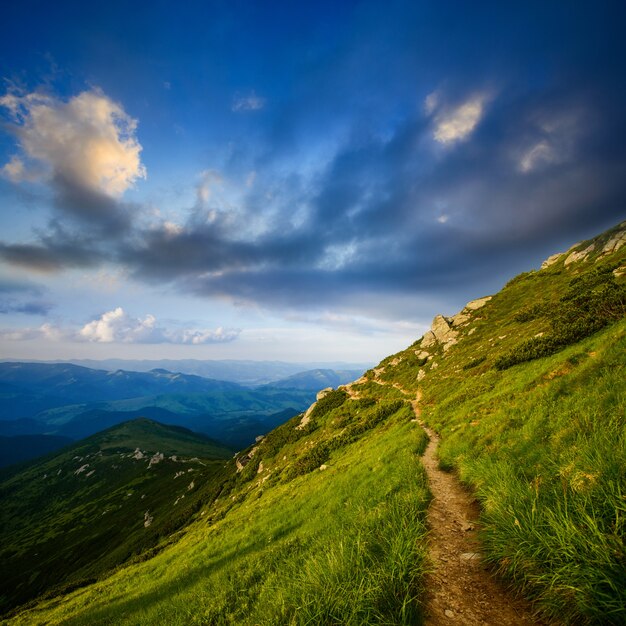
(460, 589)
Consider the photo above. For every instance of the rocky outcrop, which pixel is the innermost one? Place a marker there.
(579, 255)
(551, 260)
(307, 416)
(615, 242)
(474, 305)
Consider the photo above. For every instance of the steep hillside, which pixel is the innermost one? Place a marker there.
(324, 519)
(80, 512)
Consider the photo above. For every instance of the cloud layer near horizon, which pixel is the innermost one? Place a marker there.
(117, 326)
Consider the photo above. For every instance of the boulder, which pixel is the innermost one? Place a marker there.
(473, 305)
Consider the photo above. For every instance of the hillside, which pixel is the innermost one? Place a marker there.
(77, 513)
(324, 521)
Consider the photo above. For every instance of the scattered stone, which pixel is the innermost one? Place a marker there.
(467, 526)
(90, 473)
(448, 613)
(138, 454)
(422, 355)
(191, 486)
(323, 467)
(471, 331)
(179, 474)
(619, 271)
(469, 557)
(156, 458)
(147, 519)
(81, 469)
(260, 470)
(259, 438)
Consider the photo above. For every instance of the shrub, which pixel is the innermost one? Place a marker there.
(592, 301)
(330, 401)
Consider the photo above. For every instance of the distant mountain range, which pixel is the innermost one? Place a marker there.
(248, 373)
(72, 401)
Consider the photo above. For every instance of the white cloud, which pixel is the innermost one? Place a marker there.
(209, 179)
(117, 326)
(458, 123)
(431, 101)
(542, 153)
(251, 102)
(88, 140)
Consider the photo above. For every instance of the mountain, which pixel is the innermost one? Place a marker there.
(249, 373)
(67, 383)
(69, 517)
(324, 520)
(316, 379)
(74, 401)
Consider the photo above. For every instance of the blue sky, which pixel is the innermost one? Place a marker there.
(297, 181)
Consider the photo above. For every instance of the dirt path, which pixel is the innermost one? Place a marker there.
(460, 588)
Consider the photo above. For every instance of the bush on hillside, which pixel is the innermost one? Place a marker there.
(593, 301)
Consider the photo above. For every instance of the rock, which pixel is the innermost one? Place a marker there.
(619, 271)
(580, 255)
(428, 339)
(323, 467)
(448, 613)
(81, 469)
(259, 438)
(147, 519)
(420, 375)
(156, 458)
(440, 332)
(260, 470)
(473, 305)
(460, 318)
(324, 392)
(422, 355)
(191, 486)
(551, 260)
(468, 557)
(138, 454)
(614, 243)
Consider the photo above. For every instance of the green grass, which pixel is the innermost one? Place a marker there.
(344, 545)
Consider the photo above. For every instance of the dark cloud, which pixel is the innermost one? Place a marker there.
(361, 195)
(22, 297)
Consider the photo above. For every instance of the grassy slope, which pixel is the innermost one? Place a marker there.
(288, 542)
(542, 442)
(60, 526)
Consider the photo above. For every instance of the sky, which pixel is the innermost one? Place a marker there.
(289, 180)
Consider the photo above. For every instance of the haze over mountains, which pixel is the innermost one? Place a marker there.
(69, 401)
(249, 373)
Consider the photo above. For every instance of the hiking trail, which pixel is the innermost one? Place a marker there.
(460, 588)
